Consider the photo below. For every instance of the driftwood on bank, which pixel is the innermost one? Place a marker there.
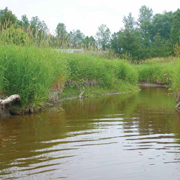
(8, 101)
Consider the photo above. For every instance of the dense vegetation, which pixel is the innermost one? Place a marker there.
(34, 72)
(147, 37)
(31, 67)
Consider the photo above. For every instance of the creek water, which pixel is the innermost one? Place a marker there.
(126, 136)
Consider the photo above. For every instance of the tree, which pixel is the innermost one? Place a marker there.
(39, 31)
(127, 42)
(62, 35)
(160, 47)
(103, 37)
(162, 24)
(145, 14)
(129, 22)
(175, 29)
(76, 38)
(25, 22)
(89, 42)
(38, 27)
(61, 30)
(145, 25)
(7, 18)
(35, 25)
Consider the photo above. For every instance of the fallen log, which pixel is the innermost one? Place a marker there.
(4, 104)
(10, 99)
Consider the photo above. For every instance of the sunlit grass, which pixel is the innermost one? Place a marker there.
(33, 72)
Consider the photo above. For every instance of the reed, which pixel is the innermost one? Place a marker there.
(29, 72)
(32, 72)
(156, 70)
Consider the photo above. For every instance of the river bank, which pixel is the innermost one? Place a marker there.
(42, 77)
(55, 100)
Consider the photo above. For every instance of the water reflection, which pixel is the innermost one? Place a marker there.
(129, 136)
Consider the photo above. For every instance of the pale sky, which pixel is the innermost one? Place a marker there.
(86, 15)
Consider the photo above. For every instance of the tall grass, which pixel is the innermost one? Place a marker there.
(176, 77)
(106, 72)
(15, 36)
(156, 71)
(29, 72)
(32, 72)
(29, 67)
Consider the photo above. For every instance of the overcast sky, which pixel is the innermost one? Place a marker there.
(86, 15)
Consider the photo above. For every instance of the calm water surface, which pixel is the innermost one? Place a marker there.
(132, 136)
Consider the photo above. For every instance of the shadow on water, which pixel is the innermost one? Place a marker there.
(128, 136)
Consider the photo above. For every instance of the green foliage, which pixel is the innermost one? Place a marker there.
(127, 42)
(14, 36)
(123, 71)
(103, 37)
(86, 67)
(147, 37)
(176, 49)
(176, 77)
(151, 36)
(32, 72)
(145, 14)
(75, 38)
(162, 24)
(129, 22)
(7, 18)
(29, 72)
(61, 30)
(155, 70)
(89, 42)
(175, 29)
(25, 22)
(160, 47)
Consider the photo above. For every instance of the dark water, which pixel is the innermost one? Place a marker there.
(132, 136)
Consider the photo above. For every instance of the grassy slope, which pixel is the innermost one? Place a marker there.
(32, 72)
(157, 71)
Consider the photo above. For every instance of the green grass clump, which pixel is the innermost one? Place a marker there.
(29, 72)
(15, 37)
(108, 73)
(176, 77)
(33, 72)
(156, 71)
(123, 71)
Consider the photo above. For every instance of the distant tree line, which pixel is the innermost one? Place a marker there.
(148, 36)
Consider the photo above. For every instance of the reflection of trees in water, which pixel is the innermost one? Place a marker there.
(150, 109)
(153, 108)
(174, 125)
(21, 136)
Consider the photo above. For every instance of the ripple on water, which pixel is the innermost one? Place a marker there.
(125, 138)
